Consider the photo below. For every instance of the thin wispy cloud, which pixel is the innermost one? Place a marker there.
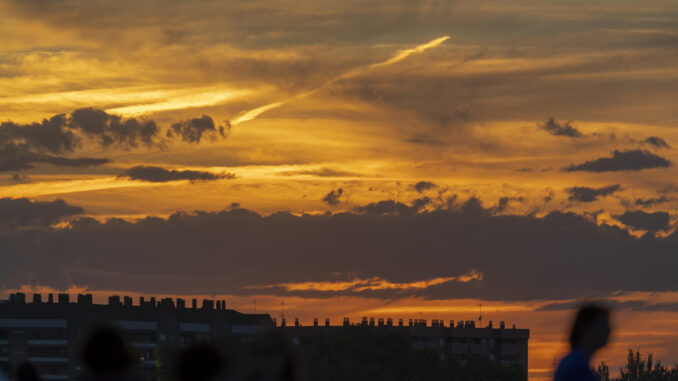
(400, 56)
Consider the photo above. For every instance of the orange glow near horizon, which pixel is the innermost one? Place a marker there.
(547, 329)
(556, 121)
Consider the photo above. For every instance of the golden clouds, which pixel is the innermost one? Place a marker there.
(370, 284)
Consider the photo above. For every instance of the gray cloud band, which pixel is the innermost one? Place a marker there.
(558, 256)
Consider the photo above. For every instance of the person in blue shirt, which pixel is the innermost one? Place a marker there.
(590, 332)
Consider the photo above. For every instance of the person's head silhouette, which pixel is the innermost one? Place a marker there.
(591, 328)
(27, 372)
(202, 362)
(105, 352)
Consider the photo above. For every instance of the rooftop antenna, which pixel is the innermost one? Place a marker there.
(480, 317)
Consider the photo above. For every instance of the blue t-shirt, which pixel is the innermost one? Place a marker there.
(575, 367)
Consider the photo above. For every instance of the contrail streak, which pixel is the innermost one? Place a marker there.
(401, 55)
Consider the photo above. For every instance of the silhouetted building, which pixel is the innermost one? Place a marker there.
(47, 334)
(465, 340)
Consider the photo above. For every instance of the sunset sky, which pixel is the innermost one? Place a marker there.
(403, 158)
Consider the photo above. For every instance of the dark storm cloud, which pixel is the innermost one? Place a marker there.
(192, 130)
(333, 197)
(656, 141)
(587, 194)
(557, 256)
(560, 129)
(50, 135)
(645, 202)
(110, 129)
(633, 160)
(639, 219)
(18, 212)
(57, 135)
(19, 157)
(423, 186)
(161, 175)
(21, 146)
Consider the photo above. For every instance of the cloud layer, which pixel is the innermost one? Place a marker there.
(23, 145)
(588, 194)
(162, 175)
(558, 256)
(632, 160)
(561, 129)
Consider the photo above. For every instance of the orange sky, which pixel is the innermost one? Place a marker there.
(315, 107)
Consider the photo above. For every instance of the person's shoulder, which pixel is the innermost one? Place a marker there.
(574, 366)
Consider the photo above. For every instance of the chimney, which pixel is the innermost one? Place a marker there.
(153, 301)
(411, 323)
(283, 323)
(20, 298)
(400, 322)
(490, 324)
(141, 301)
(502, 325)
(37, 298)
(364, 321)
(514, 326)
(63, 299)
(315, 322)
(347, 322)
(372, 322)
(181, 304)
(194, 304)
(296, 322)
(380, 322)
(223, 305)
(50, 298)
(114, 300)
(327, 322)
(389, 322)
(166, 304)
(128, 301)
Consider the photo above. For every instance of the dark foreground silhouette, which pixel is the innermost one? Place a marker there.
(106, 356)
(590, 332)
(27, 372)
(202, 362)
(357, 353)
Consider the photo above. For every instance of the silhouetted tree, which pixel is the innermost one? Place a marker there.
(602, 373)
(639, 368)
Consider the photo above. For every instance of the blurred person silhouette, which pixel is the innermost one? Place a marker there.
(106, 356)
(27, 372)
(272, 359)
(201, 362)
(590, 332)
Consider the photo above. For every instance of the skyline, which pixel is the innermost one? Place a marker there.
(397, 156)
